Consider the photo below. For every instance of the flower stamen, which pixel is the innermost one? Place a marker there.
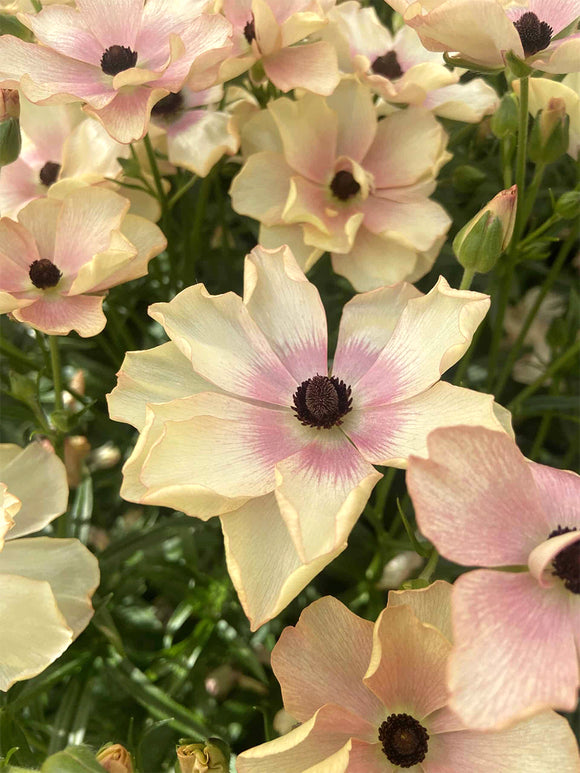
(404, 740)
(566, 564)
(49, 173)
(387, 65)
(535, 35)
(322, 401)
(250, 30)
(344, 186)
(118, 58)
(43, 274)
(169, 107)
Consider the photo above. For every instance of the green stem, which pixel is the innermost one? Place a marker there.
(56, 372)
(430, 566)
(156, 174)
(532, 193)
(518, 229)
(182, 191)
(546, 287)
(552, 220)
(467, 278)
(382, 490)
(506, 161)
(195, 235)
(548, 373)
(468, 356)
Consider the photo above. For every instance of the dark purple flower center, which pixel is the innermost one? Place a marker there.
(534, 34)
(168, 107)
(49, 173)
(250, 30)
(387, 65)
(322, 401)
(118, 58)
(566, 565)
(43, 273)
(404, 740)
(344, 186)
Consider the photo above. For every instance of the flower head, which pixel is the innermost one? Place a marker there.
(543, 91)
(373, 699)
(63, 254)
(239, 415)
(45, 584)
(484, 31)
(482, 503)
(326, 174)
(119, 64)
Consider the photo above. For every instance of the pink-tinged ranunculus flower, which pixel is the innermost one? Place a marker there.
(373, 699)
(60, 257)
(46, 584)
(192, 136)
(484, 31)
(517, 633)
(119, 61)
(275, 33)
(401, 70)
(239, 416)
(324, 174)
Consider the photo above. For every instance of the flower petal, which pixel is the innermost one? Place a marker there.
(17, 251)
(475, 498)
(113, 29)
(276, 236)
(541, 557)
(261, 188)
(126, 117)
(38, 478)
(321, 491)
(199, 146)
(390, 434)
(417, 223)
(63, 29)
(69, 568)
(262, 560)
(312, 66)
(158, 375)
(323, 659)
(40, 218)
(224, 344)
(432, 334)
(60, 314)
(431, 605)
(468, 102)
(288, 310)
(357, 122)
(407, 667)
(514, 649)
(559, 495)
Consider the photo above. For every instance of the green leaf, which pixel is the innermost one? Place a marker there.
(75, 759)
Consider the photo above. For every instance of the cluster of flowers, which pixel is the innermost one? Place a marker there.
(239, 415)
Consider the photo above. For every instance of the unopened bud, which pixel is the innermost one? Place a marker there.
(219, 682)
(550, 133)
(115, 759)
(210, 757)
(10, 139)
(76, 450)
(505, 119)
(568, 205)
(481, 241)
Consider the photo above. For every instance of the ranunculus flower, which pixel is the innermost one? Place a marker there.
(326, 174)
(239, 416)
(401, 70)
(192, 137)
(483, 31)
(115, 759)
(46, 584)
(517, 633)
(266, 31)
(120, 61)
(373, 699)
(58, 260)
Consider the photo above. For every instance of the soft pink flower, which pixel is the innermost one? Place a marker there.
(517, 634)
(326, 174)
(238, 416)
(484, 31)
(120, 61)
(61, 256)
(267, 31)
(373, 699)
(192, 137)
(401, 70)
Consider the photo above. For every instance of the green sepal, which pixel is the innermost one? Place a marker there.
(480, 247)
(10, 141)
(518, 67)
(457, 61)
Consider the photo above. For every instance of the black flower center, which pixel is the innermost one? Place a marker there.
(43, 273)
(118, 58)
(344, 186)
(534, 34)
(387, 65)
(404, 740)
(250, 30)
(168, 107)
(322, 401)
(49, 173)
(567, 563)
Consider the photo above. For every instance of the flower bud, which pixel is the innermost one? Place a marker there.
(550, 133)
(10, 139)
(505, 119)
(568, 205)
(115, 759)
(481, 241)
(210, 757)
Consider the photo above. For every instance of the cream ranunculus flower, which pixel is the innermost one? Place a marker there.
(62, 255)
(239, 417)
(327, 175)
(45, 584)
(374, 699)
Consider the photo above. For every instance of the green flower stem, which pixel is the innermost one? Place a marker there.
(506, 161)
(532, 194)
(56, 372)
(156, 176)
(552, 220)
(519, 225)
(548, 373)
(545, 289)
(467, 279)
(195, 233)
(182, 191)
(430, 566)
